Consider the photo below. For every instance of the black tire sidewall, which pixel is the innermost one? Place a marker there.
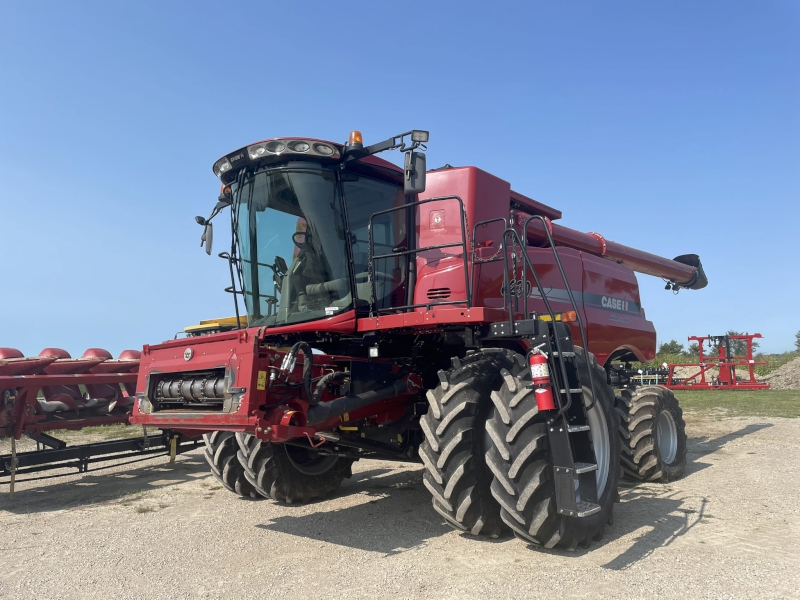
(669, 403)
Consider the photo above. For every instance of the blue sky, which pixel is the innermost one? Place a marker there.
(673, 127)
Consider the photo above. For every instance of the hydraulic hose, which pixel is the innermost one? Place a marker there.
(287, 366)
(323, 383)
(327, 410)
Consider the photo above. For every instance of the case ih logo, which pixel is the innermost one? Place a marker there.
(516, 288)
(614, 303)
(188, 354)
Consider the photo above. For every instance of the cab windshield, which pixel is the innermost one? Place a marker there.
(295, 253)
(290, 226)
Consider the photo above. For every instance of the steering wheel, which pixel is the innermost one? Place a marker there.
(306, 239)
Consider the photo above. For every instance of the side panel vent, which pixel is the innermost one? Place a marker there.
(438, 293)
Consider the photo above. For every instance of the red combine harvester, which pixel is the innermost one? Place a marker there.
(436, 317)
(726, 362)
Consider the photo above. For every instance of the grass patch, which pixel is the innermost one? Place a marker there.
(739, 403)
(145, 509)
(102, 432)
(132, 497)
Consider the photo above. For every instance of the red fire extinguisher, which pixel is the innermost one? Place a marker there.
(540, 373)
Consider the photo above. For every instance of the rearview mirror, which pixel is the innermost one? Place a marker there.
(280, 265)
(414, 180)
(207, 239)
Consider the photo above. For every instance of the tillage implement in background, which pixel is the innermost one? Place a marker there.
(722, 371)
(432, 316)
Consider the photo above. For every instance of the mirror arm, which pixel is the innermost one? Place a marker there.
(391, 144)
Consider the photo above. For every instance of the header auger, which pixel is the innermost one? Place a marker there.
(436, 316)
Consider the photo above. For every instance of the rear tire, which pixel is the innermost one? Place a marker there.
(453, 451)
(290, 474)
(653, 434)
(522, 465)
(221, 455)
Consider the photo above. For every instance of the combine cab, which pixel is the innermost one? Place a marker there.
(437, 317)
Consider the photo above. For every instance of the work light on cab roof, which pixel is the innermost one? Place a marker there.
(276, 149)
(284, 149)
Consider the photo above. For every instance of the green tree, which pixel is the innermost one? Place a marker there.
(671, 347)
(694, 350)
(739, 347)
(797, 341)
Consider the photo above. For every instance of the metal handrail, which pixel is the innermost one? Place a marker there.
(501, 249)
(563, 407)
(415, 251)
(578, 316)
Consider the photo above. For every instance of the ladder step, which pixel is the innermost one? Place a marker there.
(565, 354)
(582, 467)
(572, 391)
(577, 428)
(587, 508)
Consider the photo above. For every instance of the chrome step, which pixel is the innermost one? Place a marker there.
(565, 354)
(577, 428)
(587, 508)
(582, 467)
(572, 391)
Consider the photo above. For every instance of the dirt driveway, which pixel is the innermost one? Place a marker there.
(730, 528)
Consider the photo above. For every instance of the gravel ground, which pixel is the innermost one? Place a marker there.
(729, 529)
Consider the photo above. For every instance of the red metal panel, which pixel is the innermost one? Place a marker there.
(615, 319)
(484, 197)
(430, 319)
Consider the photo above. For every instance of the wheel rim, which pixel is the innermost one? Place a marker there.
(309, 462)
(598, 428)
(666, 437)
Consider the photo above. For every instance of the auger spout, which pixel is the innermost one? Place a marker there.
(683, 272)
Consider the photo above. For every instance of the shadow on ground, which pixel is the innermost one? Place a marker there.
(393, 506)
(698, 447)
(399, 507)
(103, 485)
(677, 512)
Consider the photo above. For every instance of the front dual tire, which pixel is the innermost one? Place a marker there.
(486, 456)
(521, 461)
(255, 469)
